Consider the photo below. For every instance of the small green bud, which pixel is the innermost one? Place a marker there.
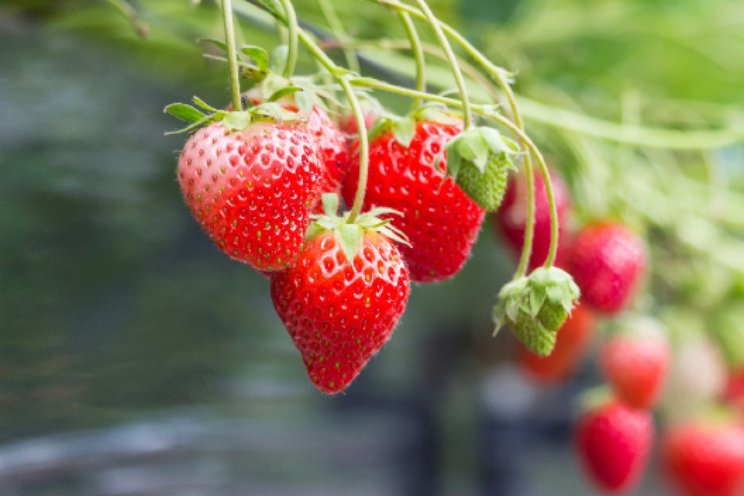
(479, 161)
(535, 307)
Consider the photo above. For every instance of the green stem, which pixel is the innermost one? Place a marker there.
(418, 54)
(499, 76)
(339, 32)
(292, 28)
(232, 58)
(344, 81)
(436, 26)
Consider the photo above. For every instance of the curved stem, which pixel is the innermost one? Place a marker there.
(452, 59)
(343, 80)
(498, 75)
(356, 109)
(292, 28)
(339, 32)
(418, 53)
(232, 58)
(529, 229)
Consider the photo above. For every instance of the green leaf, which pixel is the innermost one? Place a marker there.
(259, 56)
(330, 203)
(403, 130)
(350, 237)
(184, 112)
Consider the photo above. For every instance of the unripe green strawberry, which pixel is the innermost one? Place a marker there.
(487, 187)
(479, 159)
(536, 306)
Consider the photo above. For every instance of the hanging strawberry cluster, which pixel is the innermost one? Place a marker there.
(265, 175)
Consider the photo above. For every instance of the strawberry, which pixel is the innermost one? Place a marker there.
(250, 188)
(570, 344)
(733, 394)
(439, 219)
(511, 218)
(348, 125)
(342, 299)
(331, 142)
(635, 365)
(705, 458)
(607, 261)
(613, 443)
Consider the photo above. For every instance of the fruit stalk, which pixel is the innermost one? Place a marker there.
(452, 60)
(497, 74)
(418, 53)
(343, 80)
(232, 59)
(292, 27)
(339, 32)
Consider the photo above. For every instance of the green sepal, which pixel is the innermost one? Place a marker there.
(233, 120)
(350, 234)
(237, 120)
(479, 160)
(258, 55)
(184, 112)
(350, 237)
(282, 92)
(402, 128)
(535, 307)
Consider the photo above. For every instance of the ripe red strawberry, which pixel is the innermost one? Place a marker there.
(340, 313)
(733, 393)
(705, 458)
(510, 220)
(439, 219)
(331, 142)
(251, 189)
(636, 366)
(613, 443)
(607, 262)
(332, 149)
(348, 125)
(571, 343)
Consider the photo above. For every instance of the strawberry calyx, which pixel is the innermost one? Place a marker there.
(536, 306)
(403, 127)
(479, 160)
(351, 234)
(202, 114)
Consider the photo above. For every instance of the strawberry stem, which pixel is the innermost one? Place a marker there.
(418, 54)
(452, 60)
(232, 59)
(339, 32)
(292, 27)
(342, 78)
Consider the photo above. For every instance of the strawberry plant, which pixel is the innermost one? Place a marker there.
(344, 185)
